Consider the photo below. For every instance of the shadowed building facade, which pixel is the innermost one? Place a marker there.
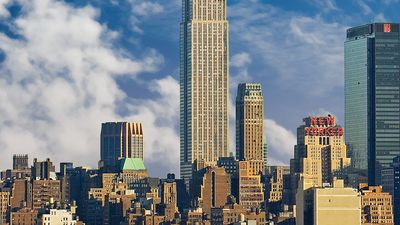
(120, 140)
(204, 84)
(250, 126)
(211, 187)
(372, 96)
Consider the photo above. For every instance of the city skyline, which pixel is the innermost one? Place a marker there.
(138, 79)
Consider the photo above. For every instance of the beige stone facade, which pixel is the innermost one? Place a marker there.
(275, 189)
(204, 83)
(377, 207)
(45, 190)
(4, 206)
(212, 187)
(251, 193)
(250, 126)
(328, 206)
(320, 152)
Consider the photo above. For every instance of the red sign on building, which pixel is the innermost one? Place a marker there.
(387, 28)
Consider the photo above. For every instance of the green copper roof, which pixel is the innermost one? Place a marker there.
(132, 164)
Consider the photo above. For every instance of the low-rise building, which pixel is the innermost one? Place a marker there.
(377, 207)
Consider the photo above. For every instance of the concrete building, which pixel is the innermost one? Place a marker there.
(250, 125)
(275, 183)
(204, 84)
(372, 96)
(377, 207)
(58, 217)
(45, 191)
(24, 216)
(328, 205)
(21, 193)
(230, 164)
(4, 205)
(20, 162)
(396, 190)
(119, 140)
(211, 187)
(43, 170)
(132, 170)
(169, 199)
(250, 189)
(320, 152)
(233, 213)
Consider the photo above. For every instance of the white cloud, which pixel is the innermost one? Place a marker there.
(298, 51)
(57, 87)
(144, 8)
(280, 143)
(380, 17)
(366, 10)
(388, 2)
(325, 5)
(239, 69)
(3, 8)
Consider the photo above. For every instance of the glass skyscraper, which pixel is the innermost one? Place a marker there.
(119, 140)
(372, 96)
(204, 84)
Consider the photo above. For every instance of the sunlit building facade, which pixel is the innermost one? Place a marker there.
(120, 140)
(204, 84)
(372, 96)
(250, 125)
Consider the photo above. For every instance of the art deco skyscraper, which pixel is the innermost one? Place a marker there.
(319, 154)
(204, 84)
(250, 125)
(120, 140)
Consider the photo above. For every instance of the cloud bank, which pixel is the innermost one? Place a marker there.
(58, 85)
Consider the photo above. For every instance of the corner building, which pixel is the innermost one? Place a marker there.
(372, 96)
(204, 84)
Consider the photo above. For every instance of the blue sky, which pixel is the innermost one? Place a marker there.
(68, 66)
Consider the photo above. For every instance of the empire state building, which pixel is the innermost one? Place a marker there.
(204, 84)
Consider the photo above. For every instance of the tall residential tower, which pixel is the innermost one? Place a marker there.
(204, 84)
(250, 125)
(372, 96)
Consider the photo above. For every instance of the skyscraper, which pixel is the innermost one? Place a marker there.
(204, 84)
(250, 125)
(319, 154)
(372, 96)
(120, 140)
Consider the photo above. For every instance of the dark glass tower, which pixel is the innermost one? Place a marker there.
(372, 102)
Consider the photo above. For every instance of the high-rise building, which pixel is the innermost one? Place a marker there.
(120, 140)
(204, 84)
(211, 187)
(250, 189)
(44, 192)
(320, 152)
(43, 170)
(4, 205)
(376, 206)
(250, 125)
(396, 190)
(372, 96)
(275, 184)
(20, 162)
(328, 205)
